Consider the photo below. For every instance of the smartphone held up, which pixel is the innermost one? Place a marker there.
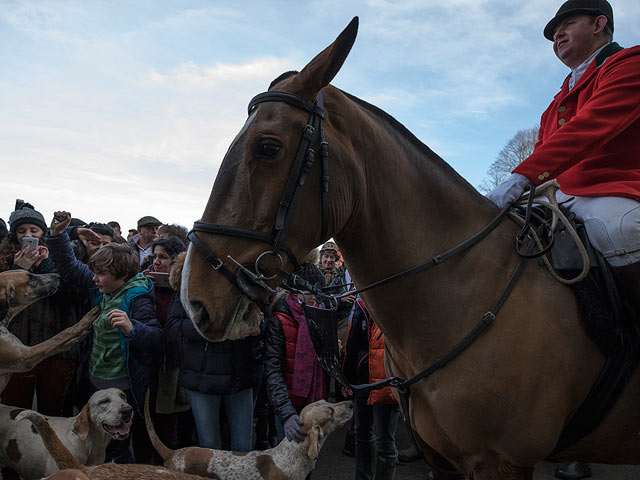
(29, 243)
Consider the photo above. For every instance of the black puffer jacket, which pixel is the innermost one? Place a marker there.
(216, 368)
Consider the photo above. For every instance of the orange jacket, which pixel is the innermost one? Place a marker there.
(376, 368)
(365, 336)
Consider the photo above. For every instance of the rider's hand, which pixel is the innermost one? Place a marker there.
(508, 191)
(293, 429)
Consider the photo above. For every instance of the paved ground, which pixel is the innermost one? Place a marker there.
(333, 465)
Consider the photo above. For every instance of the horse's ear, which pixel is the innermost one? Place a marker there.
(321, 70)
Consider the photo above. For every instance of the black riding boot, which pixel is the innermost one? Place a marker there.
(574, 471)
(410, 454)
(349, 441)
(385, 468)
(365, 458)
(628, 280)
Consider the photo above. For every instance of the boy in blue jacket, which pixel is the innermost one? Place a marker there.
(125, 338)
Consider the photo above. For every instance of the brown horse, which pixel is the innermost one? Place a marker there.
(499, 407)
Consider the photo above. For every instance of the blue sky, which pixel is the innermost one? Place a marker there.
(118, 109)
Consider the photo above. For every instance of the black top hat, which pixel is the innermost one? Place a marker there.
(579, 7)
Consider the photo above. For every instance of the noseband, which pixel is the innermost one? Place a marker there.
(253, 282)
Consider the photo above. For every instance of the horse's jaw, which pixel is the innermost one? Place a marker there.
(241, 321)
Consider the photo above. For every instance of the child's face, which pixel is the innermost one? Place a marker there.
(107, 282)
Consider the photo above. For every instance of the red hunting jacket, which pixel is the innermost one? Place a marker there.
(590, 136)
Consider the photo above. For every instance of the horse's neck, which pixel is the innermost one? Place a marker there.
(414, 206)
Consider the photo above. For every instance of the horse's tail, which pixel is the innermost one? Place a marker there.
(164, 451)
(61, 455)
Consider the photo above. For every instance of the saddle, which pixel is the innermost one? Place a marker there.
(609, 322)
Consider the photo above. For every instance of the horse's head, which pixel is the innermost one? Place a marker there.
(256, 194)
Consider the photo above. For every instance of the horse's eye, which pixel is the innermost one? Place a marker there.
(268, 148)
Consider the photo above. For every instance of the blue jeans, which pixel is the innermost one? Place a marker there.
(239, 408)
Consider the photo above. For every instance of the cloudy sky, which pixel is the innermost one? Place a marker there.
(118, 109)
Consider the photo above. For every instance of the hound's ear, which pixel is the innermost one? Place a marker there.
(313, 437)
(81, 424)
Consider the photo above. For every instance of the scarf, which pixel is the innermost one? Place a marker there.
(307, 371)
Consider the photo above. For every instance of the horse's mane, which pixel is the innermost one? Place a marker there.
(400, 128)
(406, 133)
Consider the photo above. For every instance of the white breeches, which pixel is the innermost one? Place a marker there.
(612, 223)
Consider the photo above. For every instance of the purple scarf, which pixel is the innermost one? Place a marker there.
(307, 371)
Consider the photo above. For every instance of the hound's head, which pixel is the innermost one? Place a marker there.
(319, 420)
(19, 289)
(108, 411)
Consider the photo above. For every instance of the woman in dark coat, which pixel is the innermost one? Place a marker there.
(214, 373)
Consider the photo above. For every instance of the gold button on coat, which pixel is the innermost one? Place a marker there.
(545, 174)
(562, 109)
(562, 121)
(540, 177)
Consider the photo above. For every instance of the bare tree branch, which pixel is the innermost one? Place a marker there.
(519, 147)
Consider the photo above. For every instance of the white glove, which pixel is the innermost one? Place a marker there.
(508, 191)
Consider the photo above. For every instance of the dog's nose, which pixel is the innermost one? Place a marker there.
(126, 411)
(350, 404)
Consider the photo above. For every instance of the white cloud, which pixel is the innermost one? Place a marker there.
(190, 76)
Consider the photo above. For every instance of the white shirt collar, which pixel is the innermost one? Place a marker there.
(577, 72)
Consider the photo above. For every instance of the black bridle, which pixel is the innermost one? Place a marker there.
(253, 283)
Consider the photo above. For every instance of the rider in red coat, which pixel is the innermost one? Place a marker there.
(589, 141)
(590, 138)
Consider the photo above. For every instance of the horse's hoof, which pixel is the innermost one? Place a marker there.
(574, 471)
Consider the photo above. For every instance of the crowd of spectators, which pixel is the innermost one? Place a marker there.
(238, 394)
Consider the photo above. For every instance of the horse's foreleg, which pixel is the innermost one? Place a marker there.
(439, 465)
(60, 342)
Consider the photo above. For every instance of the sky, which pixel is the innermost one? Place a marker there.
(118, 109)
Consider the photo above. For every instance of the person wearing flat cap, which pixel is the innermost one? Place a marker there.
(589, 141)
(147, 234)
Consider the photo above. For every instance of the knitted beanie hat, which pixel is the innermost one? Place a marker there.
(26, 215)
(312, 274)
